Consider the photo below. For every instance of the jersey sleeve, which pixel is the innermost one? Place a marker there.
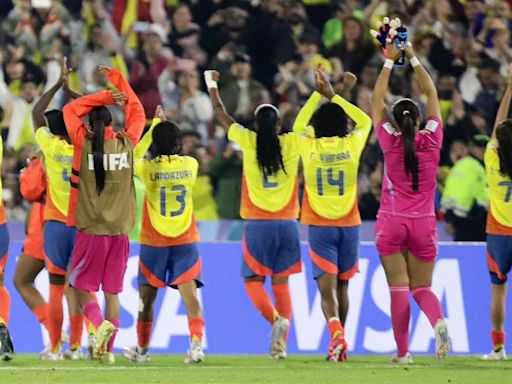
(362, 120)
(45, 140)
(135, 118)
(490, 151)
(386, 134)
(78, 108)
(432, 134)
(240, 135)
(301, 124)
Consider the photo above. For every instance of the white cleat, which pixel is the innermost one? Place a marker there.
(48, 355)
(195, 354)
(91, 344)
(137, 354)
(442, 339)
(74, 354)
(499, 355)
(405, 359)
(278, 342)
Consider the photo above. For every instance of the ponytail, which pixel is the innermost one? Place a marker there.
(268, 147)
(99, 118)
(406, 115)
(504, 137)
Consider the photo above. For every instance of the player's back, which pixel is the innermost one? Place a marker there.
(330, 173)
(398, 195)
(267, 196)
(169, 181)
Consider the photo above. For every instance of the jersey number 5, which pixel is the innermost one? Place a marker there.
(180, 198)
(330, 175)
(508, 194)
(267, 183)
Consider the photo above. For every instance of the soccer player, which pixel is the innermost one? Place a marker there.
(31, 260)
(498, 167)
(406, 232)
(330, 156)
(102, 201)
(269, 205)
(6, 347)
(169, 235)
(53, 139)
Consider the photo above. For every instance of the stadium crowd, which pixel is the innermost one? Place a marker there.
(265, 51)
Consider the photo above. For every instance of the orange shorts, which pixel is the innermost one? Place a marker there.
(33, 245)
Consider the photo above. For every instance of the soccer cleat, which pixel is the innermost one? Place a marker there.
(442, 339)
(103, 335)
(73, 354)
(6, 347)
(48, 355)
(195, 354)
(278, 341)
(405, 359)
(498, 355)
(91, 343)
(137, 354)
(108, 358)
(337, 349)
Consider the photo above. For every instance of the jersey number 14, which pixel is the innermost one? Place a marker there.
(333, 178)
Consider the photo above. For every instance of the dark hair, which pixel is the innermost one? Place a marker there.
(406, 114)
(99, 118)
(268, 147)
(167, 139)
(56, 124)
(329, 120)
(504, 137)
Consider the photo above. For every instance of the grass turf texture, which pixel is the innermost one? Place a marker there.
(256, 369)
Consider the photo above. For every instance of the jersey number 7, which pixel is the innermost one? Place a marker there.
(508, 194)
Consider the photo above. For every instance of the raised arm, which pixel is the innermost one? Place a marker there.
(502, 113)
(426, 84)
(300, 126)
(135, 118)
(42, 104)
(211, 78)
(380, 89)
(74, 111)
(144, 143)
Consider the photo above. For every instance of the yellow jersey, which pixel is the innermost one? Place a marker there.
(168, 207)
(499, 218)
(264, 197)
(58, 155)
(330, 166)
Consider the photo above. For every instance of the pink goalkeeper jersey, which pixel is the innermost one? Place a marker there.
(398, 197)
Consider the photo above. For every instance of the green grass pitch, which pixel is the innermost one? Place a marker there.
(257, 369)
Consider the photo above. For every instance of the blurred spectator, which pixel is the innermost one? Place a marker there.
(355, 48)
(147, 68)
(186, 105)
(184, 36)
(242, 94)
(205, 206)
(465, 198)
(226, 172)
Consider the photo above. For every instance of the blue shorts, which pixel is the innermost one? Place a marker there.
(334, 250)
(4, 247)
(271, 248)
(59, 240)
(169, 266)
(499, 257)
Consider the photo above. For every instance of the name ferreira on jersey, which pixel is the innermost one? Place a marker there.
(111, 161)
(176, 175)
